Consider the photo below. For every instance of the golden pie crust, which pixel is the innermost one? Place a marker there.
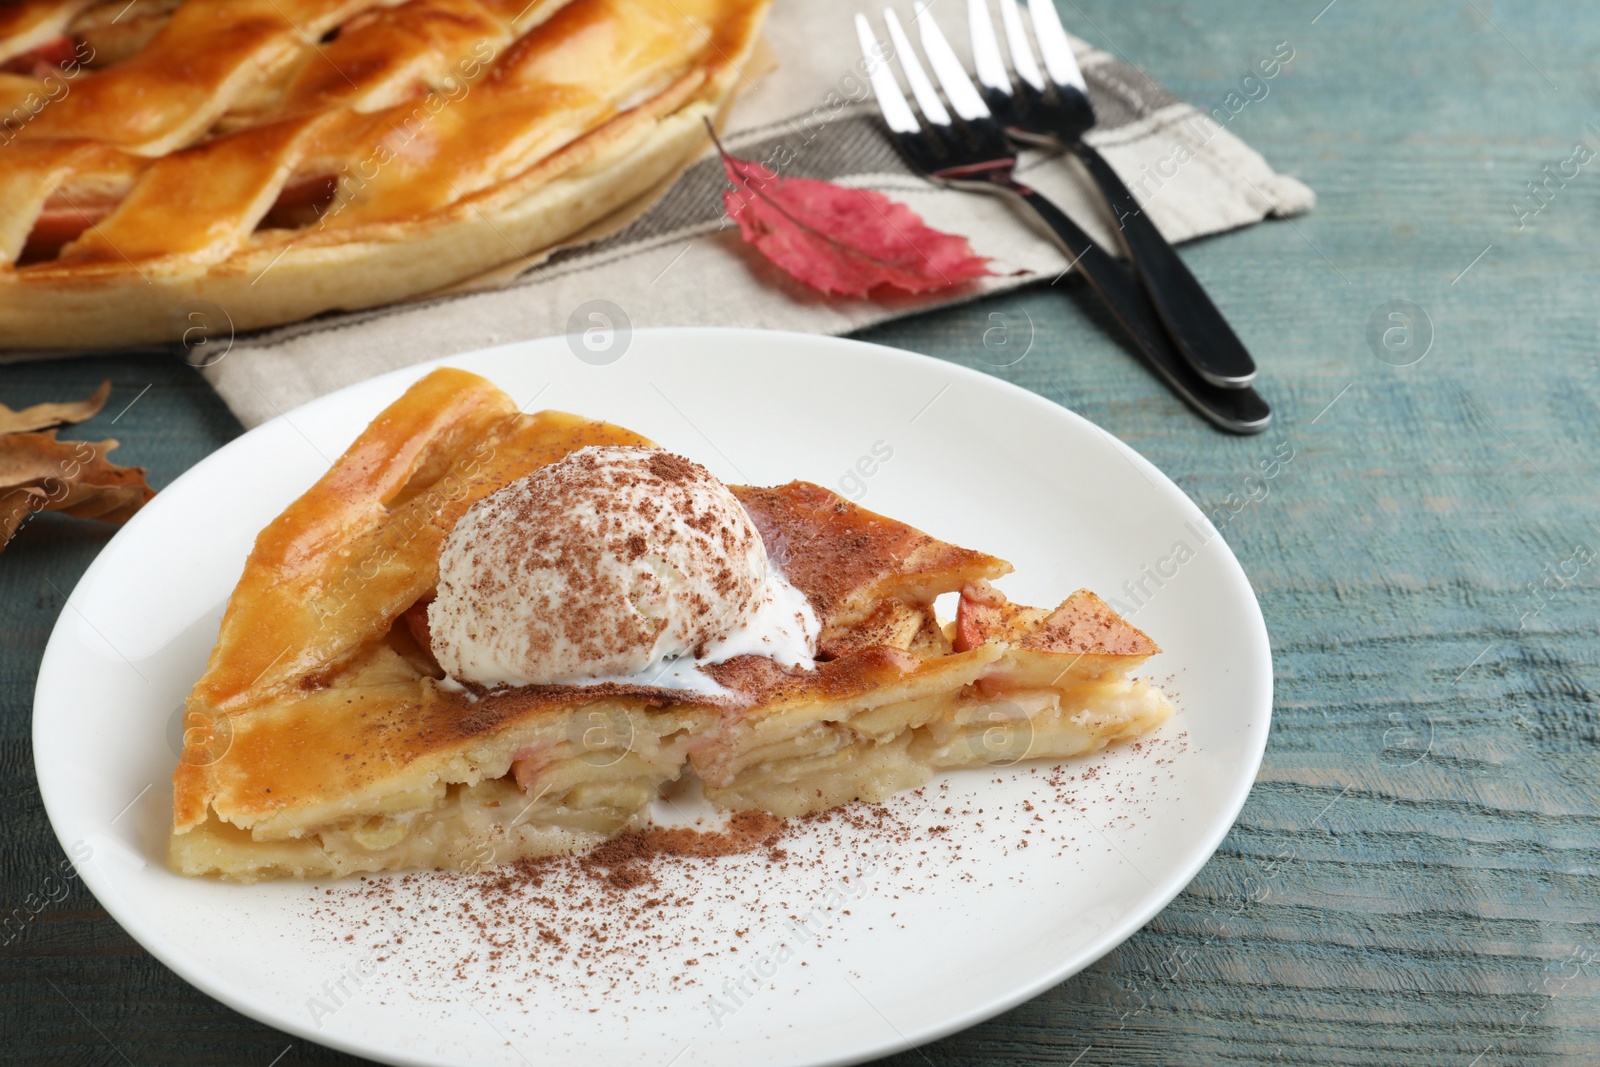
(260, 161)
(324, 740)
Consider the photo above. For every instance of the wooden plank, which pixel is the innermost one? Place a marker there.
(1432, 913)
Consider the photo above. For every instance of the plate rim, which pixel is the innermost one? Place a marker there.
(1116, 933)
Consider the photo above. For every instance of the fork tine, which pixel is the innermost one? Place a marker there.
(891, 101)
(958, 87)
(986, 49)
(921, 88)
(1054, 46)
(1017, 44)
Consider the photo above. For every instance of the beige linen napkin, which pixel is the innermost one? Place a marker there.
(681, 264)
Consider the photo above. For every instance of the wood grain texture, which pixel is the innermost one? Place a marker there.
(1414, 878)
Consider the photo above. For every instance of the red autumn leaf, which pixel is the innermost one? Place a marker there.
(843, 240)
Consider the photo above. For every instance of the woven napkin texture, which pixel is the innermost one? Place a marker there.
(681, 262)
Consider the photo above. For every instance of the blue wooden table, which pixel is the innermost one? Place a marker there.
(1414, 878)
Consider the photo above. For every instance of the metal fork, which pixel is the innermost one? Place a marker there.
(1059, 112)
(975, 154)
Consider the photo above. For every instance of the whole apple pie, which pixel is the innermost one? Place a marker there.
(267, 160)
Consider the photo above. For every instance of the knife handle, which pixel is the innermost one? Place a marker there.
(1237, 410)
(1203, 337)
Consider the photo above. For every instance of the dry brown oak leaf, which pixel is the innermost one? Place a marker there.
(44, 416)
(40, 473)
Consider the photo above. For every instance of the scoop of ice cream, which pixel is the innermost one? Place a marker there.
(601, 565)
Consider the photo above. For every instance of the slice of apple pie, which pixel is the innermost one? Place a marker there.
(484, 635)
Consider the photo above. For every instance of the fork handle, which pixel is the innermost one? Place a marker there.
(1202, 335)
(1238, 410)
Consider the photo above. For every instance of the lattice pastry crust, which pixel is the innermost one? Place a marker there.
(262, 161)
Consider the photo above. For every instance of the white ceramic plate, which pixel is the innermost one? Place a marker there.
(917, 952)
